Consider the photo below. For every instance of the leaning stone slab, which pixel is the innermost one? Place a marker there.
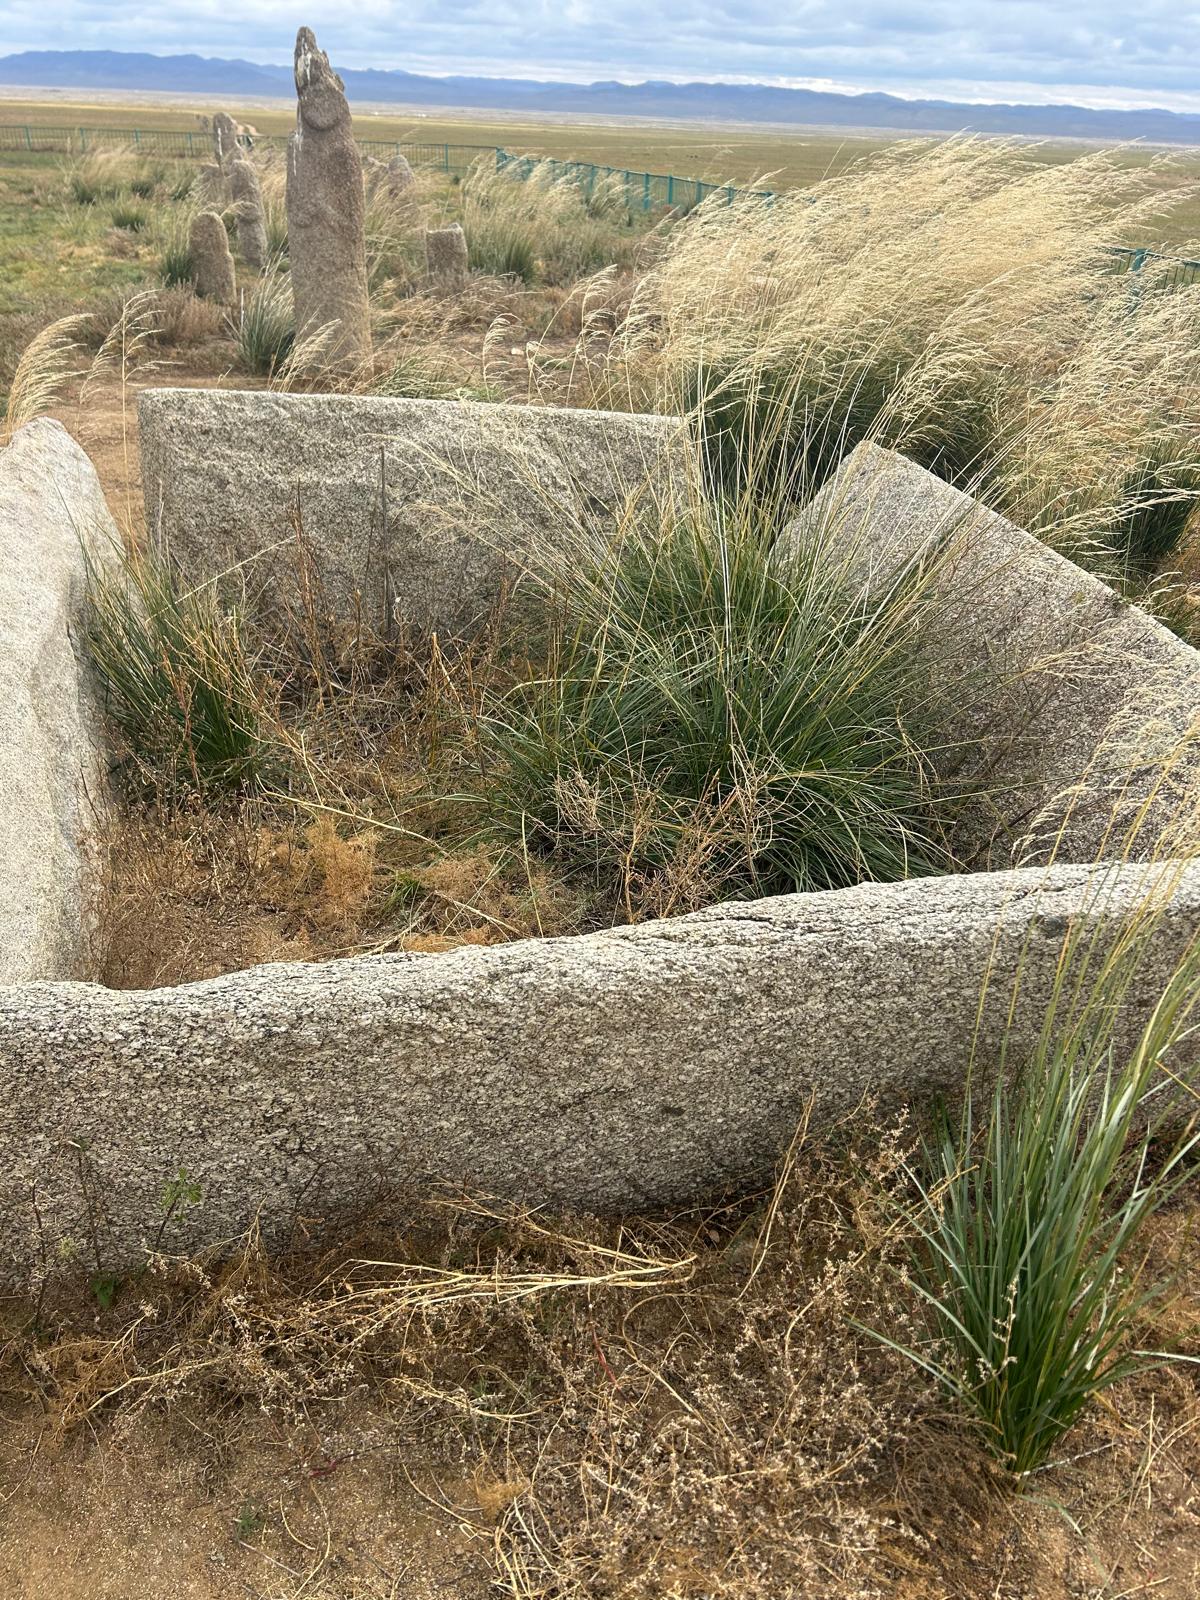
(641, 1067)
(51, 757)
(432, 504)
(1084, 711)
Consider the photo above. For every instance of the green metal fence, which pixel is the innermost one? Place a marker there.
(1178, 273)
(640, 191)
(196, 143)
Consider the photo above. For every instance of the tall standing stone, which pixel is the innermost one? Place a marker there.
(251, 214)
(212, 264)
(326, 231)
(446, 258)
(400, 176)
(224, 137)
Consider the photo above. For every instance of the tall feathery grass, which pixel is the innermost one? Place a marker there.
(960, 301)
(47, 364)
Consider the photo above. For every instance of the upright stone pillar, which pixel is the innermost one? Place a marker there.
(251, 214)
(326, 234)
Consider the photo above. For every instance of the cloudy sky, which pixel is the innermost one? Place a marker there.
(1105, 53)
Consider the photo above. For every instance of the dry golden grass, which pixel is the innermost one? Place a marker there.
(672, 1407)
(958, 301)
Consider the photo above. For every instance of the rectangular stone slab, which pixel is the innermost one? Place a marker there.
(53, 765)
(640, 1067)
(432, 502)
(1086, 711)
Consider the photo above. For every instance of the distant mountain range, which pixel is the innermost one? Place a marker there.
(723, 102)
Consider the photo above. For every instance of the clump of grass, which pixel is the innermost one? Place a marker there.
(264, 330)
(541, 228)
(177, 680)
(418, 374)
(183, 318)
(132, 218)
(502, 247)
(101, 174)
(175, 265)
(1026, 1229)
(720, 716)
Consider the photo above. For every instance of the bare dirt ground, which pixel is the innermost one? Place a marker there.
(164, 1511)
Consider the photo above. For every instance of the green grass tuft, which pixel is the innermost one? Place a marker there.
(177, 681)
(1026, 1229)
(719, 717)
(265, 328)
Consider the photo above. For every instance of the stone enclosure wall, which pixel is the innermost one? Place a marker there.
(52, 765)
(636, 1067)
(424, 506)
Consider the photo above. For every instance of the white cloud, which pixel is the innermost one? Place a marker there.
(1097, 54)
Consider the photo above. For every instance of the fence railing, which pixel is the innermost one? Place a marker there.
(1179, 273)
(197, 144)
(641, 191)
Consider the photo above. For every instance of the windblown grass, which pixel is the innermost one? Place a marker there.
(542, 228)
(959, 301)
(47, 364)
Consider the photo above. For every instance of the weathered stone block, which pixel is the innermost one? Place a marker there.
(634, 1068)
(1080, 713)
(446, 262)
(52, 762)
(212, 262)
(434, 502)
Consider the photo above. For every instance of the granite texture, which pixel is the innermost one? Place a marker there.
(212, 260)
(251, 214)
(1080, 713)
(446, 258)
(52, 762)
(433, 502)
(634, 1068)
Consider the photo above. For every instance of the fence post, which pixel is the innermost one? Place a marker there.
(645, 191)
(671, 189)
(83, 141)
(446, 158)
(28, 138)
